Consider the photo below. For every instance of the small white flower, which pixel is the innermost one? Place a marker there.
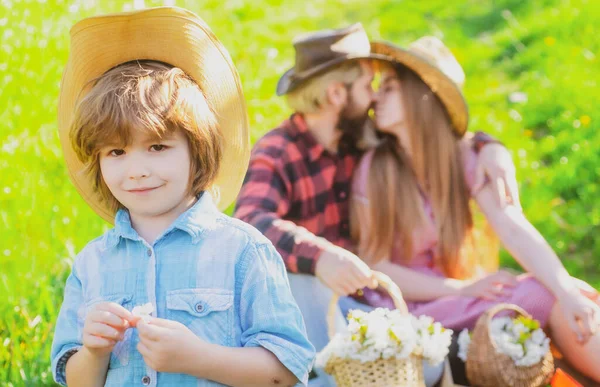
(517, 97)
(538, 336)
(143, 311)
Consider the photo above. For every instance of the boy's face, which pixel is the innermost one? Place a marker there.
(150, 176)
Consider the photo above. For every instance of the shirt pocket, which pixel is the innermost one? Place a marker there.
(208, 313)
(121, 352)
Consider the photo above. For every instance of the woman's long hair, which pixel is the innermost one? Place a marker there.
(395, 180)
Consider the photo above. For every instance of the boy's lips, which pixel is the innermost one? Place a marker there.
(142, 190)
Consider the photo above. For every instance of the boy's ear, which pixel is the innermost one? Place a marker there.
(337, 94)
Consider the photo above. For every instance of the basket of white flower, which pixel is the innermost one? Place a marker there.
(508, 352)
(383, 347)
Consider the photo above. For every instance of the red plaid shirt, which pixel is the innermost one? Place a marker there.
(297, 193)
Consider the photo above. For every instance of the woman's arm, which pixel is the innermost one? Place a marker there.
(526, 244)
(416, 286)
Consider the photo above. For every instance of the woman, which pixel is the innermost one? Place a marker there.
(420, 232)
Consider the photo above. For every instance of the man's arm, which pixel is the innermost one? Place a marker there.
(263, 202)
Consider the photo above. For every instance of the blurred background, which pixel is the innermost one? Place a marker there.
(532, 81)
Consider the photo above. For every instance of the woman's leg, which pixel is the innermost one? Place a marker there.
(584, 358)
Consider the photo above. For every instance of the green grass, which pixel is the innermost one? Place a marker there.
(547, 49)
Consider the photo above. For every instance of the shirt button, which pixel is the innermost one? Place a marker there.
(343, 195)
(149, 252)
(199, 307)
(146, 380)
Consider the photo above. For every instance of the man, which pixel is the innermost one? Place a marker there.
(296, 191)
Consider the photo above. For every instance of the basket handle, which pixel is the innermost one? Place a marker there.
(383, 280)
(493, 311)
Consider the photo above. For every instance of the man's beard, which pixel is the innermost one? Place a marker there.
(353, 126)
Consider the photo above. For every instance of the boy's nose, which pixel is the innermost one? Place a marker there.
(137, 169)
(137, 176)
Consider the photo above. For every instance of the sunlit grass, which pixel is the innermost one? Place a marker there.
(545, 49)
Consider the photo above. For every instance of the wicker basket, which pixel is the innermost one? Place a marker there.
(486, 367)
(389, 373)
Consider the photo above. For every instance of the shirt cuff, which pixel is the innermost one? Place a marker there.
(60, 369)
(313, 267)
(298, 366)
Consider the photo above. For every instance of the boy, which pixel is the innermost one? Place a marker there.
(159, 129)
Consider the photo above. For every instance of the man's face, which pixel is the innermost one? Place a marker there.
(360, 94)
(355, 114)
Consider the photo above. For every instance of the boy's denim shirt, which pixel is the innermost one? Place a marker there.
(215, 274)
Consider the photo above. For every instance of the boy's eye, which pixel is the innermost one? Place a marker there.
(157, 147)
(116, 152)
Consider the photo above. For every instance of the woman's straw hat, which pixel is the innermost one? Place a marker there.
(433, 62)
(167, 34)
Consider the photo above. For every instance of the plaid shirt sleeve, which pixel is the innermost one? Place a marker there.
(264, 201)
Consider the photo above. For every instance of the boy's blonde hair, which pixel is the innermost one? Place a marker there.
(312, 96)
(153, 97)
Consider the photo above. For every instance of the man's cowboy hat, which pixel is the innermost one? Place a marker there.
(318, 51)
(433, 62)
(173, 36)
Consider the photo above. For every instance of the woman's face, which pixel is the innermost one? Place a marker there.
(389, 108)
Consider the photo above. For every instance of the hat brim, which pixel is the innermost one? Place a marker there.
(447, 91)
(291, 80)
(167, 34)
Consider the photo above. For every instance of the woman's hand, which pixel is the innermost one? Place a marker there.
(490, 287)
(582, 314)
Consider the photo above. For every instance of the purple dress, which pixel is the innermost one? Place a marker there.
(453, 312)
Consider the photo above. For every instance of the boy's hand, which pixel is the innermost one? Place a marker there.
(167, 345)
(105, 325)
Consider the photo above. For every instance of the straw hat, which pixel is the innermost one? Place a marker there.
(433, 62)
(319, 51)
(171, 35)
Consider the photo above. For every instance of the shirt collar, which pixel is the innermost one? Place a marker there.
(314, 148)
(201, 216)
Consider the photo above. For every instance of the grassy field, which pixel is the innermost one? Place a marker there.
(546, 49)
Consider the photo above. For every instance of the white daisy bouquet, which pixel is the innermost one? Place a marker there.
(520, 337)
(385, 334)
